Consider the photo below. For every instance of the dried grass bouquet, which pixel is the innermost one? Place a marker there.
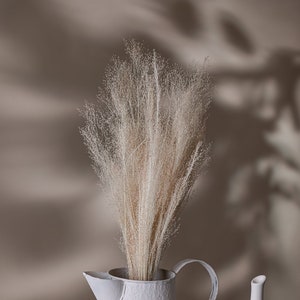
(146, 137)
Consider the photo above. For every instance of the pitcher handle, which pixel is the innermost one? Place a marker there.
(209, 269)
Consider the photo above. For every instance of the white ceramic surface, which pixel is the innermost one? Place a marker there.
(114, 285)
(257, 287)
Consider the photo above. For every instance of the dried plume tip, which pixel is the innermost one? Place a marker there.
(146, 137)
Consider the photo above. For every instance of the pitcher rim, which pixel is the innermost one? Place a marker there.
(172, 276)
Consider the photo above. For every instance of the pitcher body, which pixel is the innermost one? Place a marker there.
(115, 284)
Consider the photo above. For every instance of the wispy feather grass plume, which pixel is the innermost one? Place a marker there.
(146, 137)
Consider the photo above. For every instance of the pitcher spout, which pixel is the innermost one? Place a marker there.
(103, 286)
(257, 287)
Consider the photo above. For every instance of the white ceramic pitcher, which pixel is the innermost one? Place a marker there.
(115, 285)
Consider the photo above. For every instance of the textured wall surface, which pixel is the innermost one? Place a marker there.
(244, 216)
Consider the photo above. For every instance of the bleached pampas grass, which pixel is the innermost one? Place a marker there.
(146, 137)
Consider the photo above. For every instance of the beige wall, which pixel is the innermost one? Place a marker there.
(244, 216)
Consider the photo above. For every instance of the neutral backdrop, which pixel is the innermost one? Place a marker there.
(244, 215)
